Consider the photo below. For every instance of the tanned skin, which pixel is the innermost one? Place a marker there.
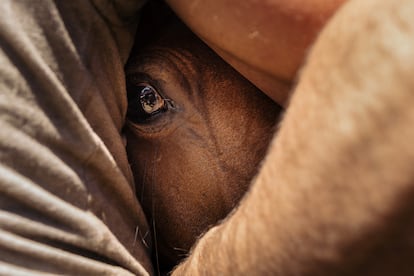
(335, 195)
(265, 41)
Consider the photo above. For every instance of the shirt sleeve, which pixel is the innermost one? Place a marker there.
(67, 202)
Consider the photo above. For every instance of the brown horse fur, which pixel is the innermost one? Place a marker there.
(194, 158)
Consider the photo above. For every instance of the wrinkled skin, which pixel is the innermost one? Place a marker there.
(193, 157)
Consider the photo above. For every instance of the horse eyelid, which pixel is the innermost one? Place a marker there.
(143, 78)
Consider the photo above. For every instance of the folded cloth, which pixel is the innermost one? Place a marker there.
(67, 203)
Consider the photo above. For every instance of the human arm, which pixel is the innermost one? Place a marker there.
(266, 41)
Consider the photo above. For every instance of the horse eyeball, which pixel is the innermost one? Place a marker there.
(144, 102)
(151, 101)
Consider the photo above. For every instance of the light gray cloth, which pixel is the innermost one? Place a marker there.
(67, 203)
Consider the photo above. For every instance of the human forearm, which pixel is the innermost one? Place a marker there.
(259, 38)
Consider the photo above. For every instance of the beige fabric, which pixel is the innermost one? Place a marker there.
(67, 204)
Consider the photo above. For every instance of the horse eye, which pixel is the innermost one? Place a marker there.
(144, 101)
(151, 101)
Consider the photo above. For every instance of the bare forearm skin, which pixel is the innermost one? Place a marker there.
(265, 41)
(335, 194)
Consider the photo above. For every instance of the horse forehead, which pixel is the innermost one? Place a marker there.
(167, 58)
